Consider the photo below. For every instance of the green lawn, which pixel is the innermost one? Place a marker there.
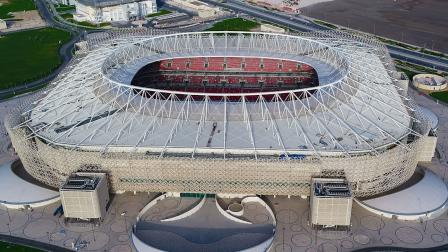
(66, 16)
(14, 6)
(443, 96)
(16, 248)
(234, 24)
(29, 55)
(159, 13)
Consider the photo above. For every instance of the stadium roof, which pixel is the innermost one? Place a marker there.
(358, 107)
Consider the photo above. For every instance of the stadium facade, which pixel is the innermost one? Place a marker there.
(221, 112)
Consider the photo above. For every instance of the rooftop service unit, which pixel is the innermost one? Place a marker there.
(85, 196)
(331, 202)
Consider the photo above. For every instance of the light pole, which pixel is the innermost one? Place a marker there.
(380, 226)
(283, 236)
(426, 223)
(93, 233)
(9, 217)
(444, 173)
(9, 229)
(49, 237)
(7, 209)
(125, 223)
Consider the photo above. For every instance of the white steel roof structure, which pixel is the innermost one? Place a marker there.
(358, 107)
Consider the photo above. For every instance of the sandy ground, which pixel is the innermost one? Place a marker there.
(419, 22)
(306, 3)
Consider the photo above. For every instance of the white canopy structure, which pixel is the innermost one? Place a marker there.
(428, 198)
(18, 193)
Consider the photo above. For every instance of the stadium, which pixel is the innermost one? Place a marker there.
(225, 112)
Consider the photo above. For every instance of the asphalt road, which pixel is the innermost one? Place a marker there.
(301, 24)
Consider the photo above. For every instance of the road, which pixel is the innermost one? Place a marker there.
(302, 24)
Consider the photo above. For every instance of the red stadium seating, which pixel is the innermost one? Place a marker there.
(226, 75)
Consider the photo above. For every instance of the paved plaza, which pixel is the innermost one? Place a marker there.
(292, 234)
(112, 235)
(368, 230)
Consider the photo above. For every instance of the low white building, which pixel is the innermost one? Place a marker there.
(65, 2)
(199, 8)
(3, 24)
(290, 6)
(97, 11)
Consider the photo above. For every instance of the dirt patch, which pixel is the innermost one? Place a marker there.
(418, 22)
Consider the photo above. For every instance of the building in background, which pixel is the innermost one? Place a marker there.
(430, 82)
(3, 24)
(170, 18)
(65, 2)
(199, 8)
(113, 10)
